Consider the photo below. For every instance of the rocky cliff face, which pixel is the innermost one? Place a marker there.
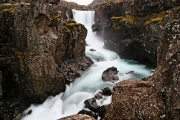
(156, 97)
(132, 28)
(41, 49)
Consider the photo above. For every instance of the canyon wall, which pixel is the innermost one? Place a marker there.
(156, 97)
(41, 50)
(132, 28)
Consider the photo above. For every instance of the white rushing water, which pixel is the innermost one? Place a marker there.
(72, 100)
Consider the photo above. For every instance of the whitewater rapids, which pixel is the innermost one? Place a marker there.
(72, 100)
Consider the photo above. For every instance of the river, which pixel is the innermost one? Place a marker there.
(72, 100)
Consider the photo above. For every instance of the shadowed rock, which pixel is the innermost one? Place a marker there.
(90, 113)
(98, 96)
(106, 91)
(91, 104)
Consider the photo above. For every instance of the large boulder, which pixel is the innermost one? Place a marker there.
(110, 74)
(91, 104)
(155, 97)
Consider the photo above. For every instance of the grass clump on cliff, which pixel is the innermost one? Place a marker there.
(129, 20)
(117, 21)
(154, 20)
(7, 8)
(68, 27)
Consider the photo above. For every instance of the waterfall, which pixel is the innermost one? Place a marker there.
(72, 100)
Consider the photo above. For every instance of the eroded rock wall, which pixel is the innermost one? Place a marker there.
(132, 28)
(41, 49)
(156, 97)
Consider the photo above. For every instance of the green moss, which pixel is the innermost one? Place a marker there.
(154, 20)
(129, 20)
(66, 29)
(117, 21)
(32, 53)
(7, 8)
(55, 17)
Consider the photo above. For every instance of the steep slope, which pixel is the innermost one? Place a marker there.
(41, 49)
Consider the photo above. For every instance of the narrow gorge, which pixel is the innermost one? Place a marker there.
(55, 57)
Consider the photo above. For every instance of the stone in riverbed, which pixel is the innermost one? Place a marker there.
(110, 74)
(107, 91)
(91, 104)
(92, 50)
(102, 111)
(98, 96)
(90, 113)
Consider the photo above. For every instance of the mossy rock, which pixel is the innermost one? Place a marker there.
(154, 20)
(7, 8)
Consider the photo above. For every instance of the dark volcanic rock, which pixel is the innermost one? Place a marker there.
(40, 51)
(96, 27)
(133, 28)
(102, 111)
(106, 91)
(91, 104)
(98, 96)
(92, 49)
(90, 113)
(156, 97)
(110, 74)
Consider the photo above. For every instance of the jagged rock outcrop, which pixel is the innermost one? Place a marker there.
(156, 97)
(132, 28)
(40, 52)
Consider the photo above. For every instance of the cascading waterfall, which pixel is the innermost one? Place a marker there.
(72, 100)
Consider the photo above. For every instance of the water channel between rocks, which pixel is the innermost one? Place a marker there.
(72, 100)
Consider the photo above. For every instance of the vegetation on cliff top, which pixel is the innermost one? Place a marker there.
(7, 8)
(122, 19)
(68, 27)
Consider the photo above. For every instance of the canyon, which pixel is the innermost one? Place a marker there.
(42, 49)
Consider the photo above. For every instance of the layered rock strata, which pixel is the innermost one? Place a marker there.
(40, 52)
(132, 28)
(156, 97)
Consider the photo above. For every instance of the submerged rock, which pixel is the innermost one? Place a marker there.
(110, 74)
(92, 49)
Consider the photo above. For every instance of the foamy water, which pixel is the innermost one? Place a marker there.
(72, 100)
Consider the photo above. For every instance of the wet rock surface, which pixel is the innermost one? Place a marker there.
(110, 74)
(132, 28)
(106, 91)
(91, 104)
(78, 117)
(90, 113)
(155, 97)
(41, 49)
(98, 96)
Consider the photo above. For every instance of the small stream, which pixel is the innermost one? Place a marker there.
(72, 100)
